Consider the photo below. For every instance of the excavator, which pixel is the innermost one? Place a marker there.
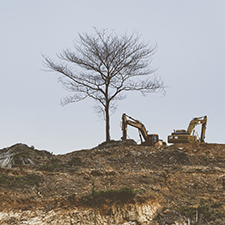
(186, 136)
(149, 139)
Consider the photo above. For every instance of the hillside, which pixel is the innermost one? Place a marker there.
(116, 183)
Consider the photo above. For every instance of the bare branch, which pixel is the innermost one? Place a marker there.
(104, 65)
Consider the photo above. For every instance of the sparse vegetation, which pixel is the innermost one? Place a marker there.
(216, 205)
(2, 179)
(20, 181)
(125, 194)
(74, 161)
(40, 153)
(188, 211)
(52, 165)
(204, 211)
(55, 164)
(31, 179)
(19, 158)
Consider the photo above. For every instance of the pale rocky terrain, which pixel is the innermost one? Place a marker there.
(119, 183)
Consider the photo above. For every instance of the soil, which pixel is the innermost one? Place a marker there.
(188, 180)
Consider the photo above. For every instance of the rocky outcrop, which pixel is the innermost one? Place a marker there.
(126, 214)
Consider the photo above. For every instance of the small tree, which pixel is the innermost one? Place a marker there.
(107, 65)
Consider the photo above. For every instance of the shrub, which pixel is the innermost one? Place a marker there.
(122, 195)
(203, 209)
(187, 211)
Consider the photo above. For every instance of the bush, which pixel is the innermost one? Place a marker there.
(122, 195)
(188, 211)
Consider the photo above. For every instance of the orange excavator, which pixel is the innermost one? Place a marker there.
(149, 139)
(186, 136)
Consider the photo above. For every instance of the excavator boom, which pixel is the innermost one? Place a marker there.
(196, 121)
(202, 138)
(134, 123)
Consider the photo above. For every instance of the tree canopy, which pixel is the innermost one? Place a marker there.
(104, 66)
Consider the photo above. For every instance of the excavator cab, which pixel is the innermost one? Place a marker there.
(181, 136)
(151, 140)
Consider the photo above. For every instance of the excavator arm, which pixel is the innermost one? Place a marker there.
(134, 123)
(196, 121)
(202, 138)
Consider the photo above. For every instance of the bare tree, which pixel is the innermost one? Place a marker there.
(104, 66)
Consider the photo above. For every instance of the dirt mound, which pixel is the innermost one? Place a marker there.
(187, 180)
(113, 143)
(20, 155)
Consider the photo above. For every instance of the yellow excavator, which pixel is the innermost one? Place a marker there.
(186, 136)
(149, 139)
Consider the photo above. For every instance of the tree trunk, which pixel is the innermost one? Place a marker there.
(107, 122)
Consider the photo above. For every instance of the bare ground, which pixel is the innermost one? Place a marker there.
(188, 180)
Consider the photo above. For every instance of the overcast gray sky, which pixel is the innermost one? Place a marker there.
(190, 58)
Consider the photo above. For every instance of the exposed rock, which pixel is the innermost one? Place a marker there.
(127, 214)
